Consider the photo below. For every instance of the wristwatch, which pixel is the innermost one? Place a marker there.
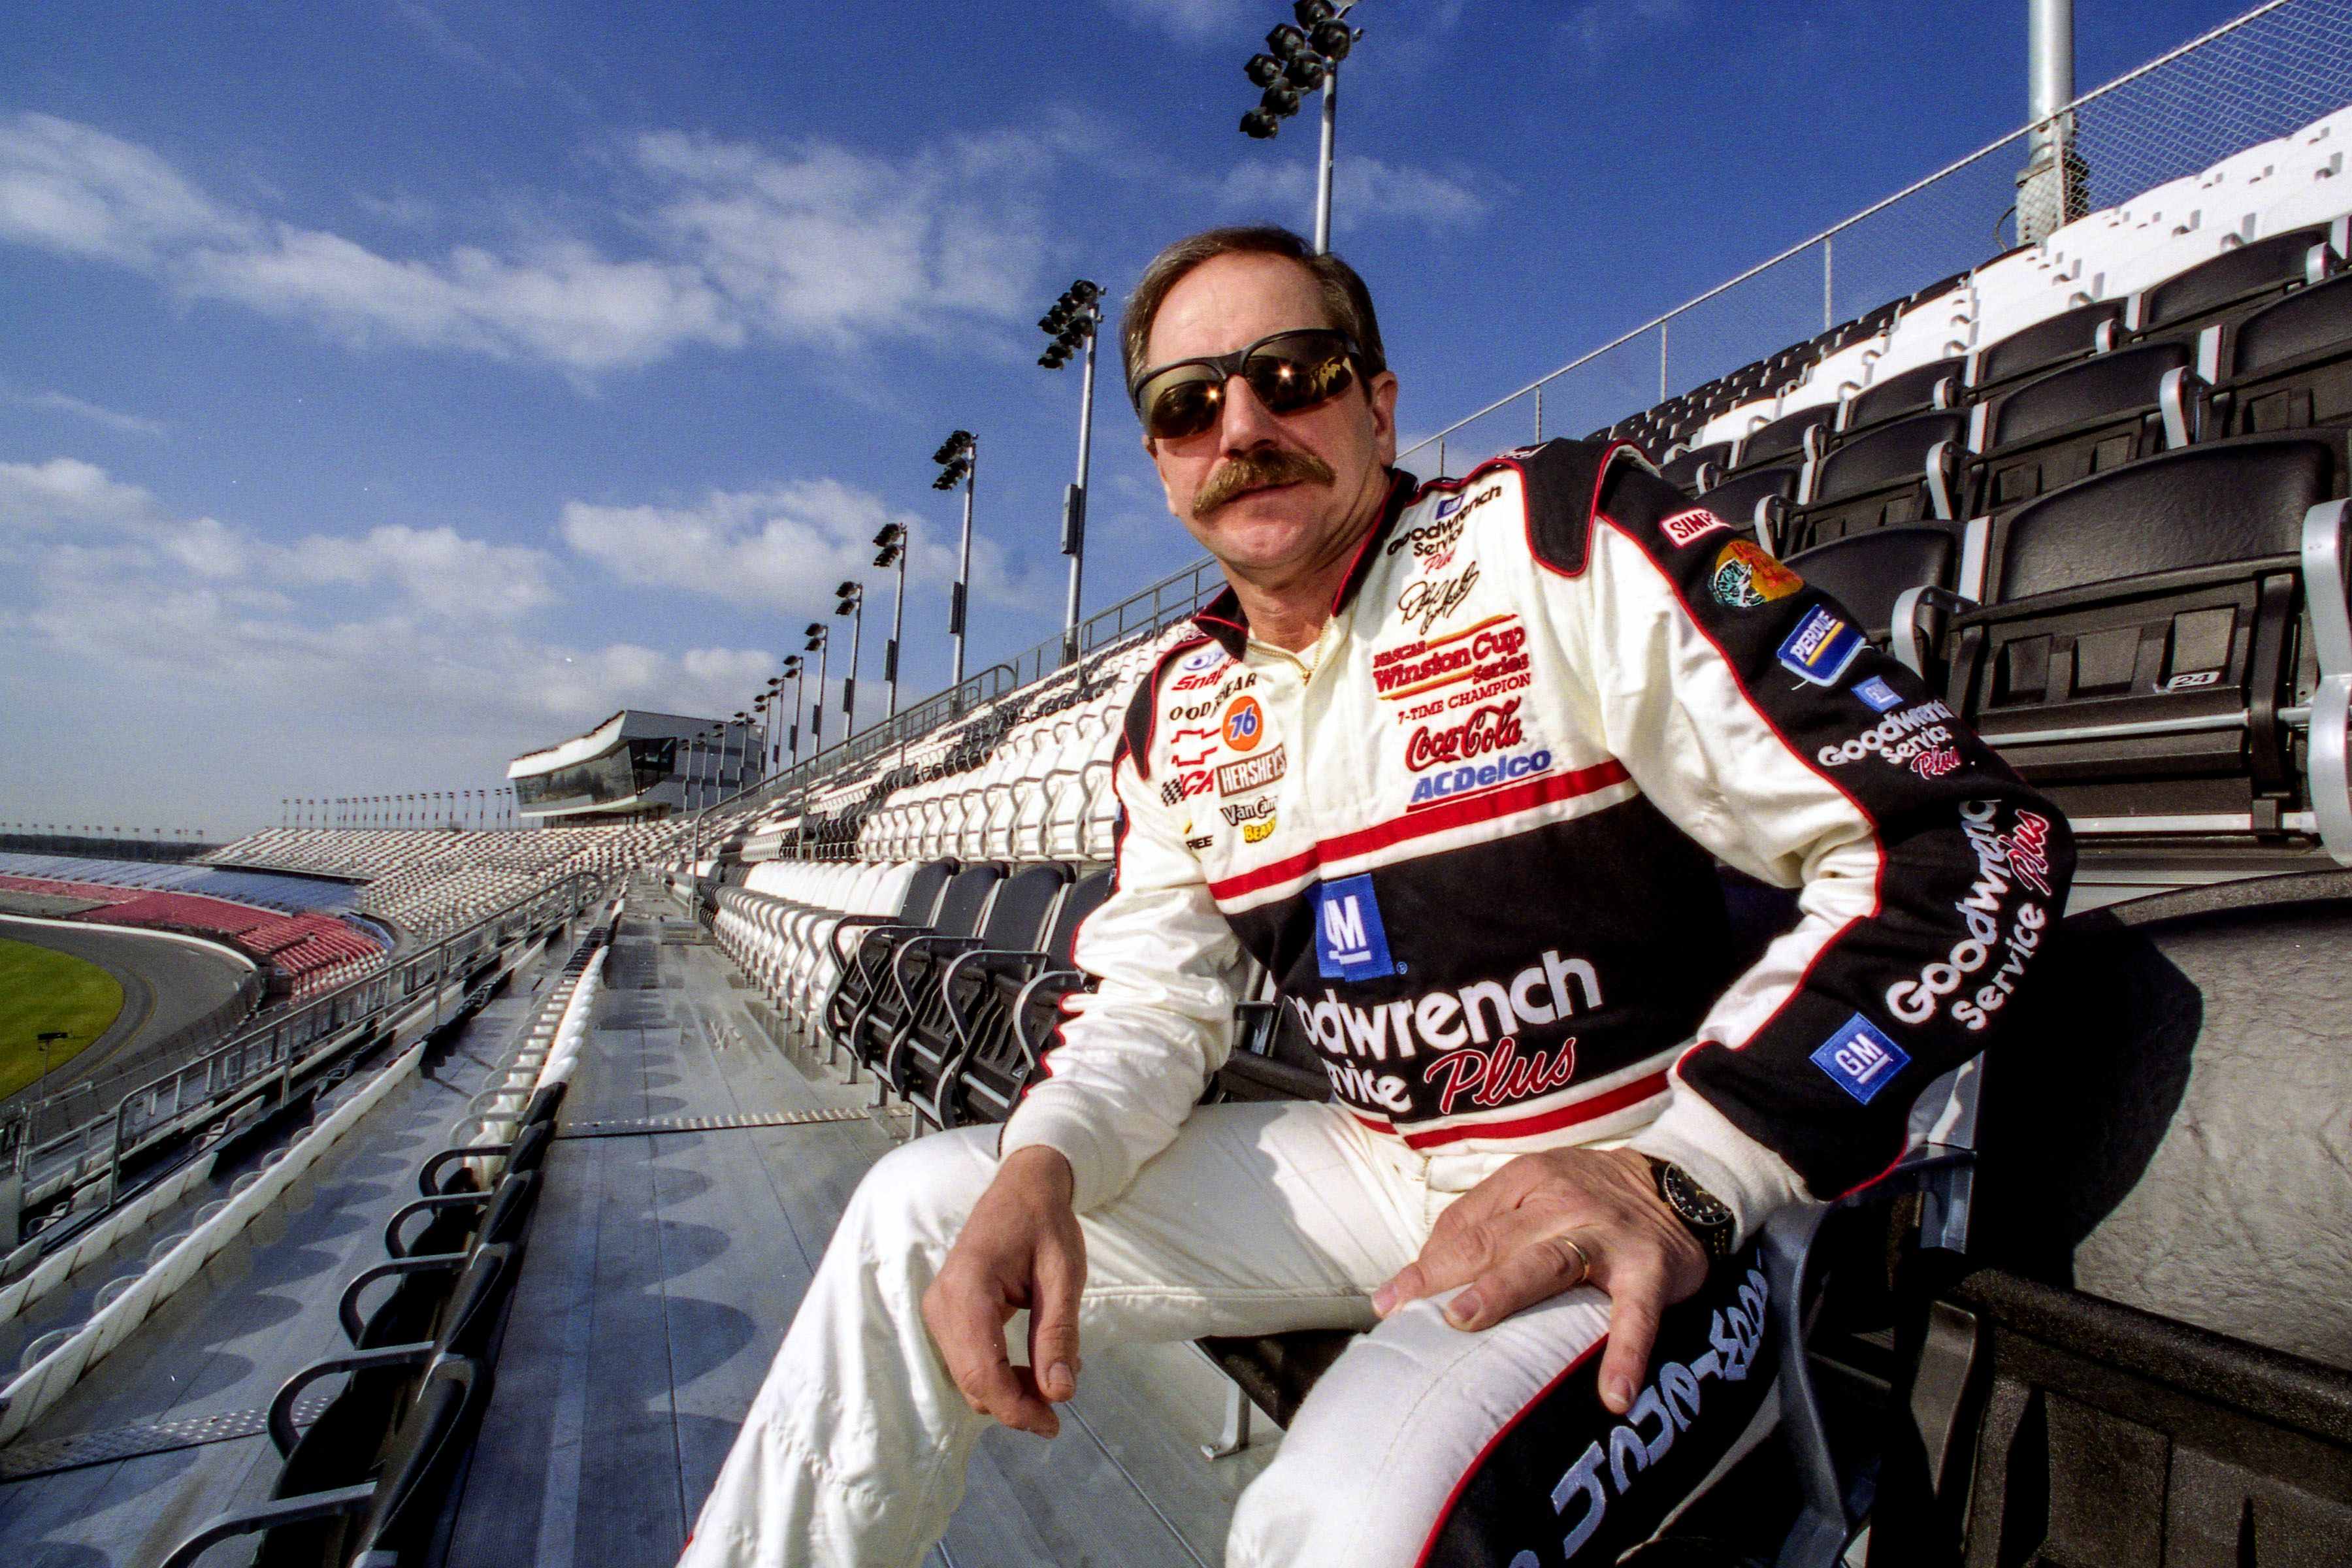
(1710, 1222)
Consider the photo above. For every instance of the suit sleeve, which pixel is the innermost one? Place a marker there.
(1749, 709)
(1132, 1057)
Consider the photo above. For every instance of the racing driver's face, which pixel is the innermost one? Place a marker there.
(1274, 497)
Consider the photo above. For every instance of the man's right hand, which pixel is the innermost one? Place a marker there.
(1021, 1248)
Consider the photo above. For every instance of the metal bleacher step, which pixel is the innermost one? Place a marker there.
(23, 1461)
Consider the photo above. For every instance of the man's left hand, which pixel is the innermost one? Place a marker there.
(1548, 1223)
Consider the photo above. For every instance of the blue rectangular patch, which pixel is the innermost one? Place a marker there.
(1859, 1060)
(1821, 647)
(1350, 943)
(1881, 697)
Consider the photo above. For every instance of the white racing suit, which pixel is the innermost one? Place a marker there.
(1471, 832)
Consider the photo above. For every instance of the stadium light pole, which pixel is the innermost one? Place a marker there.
(890, 550)
(850, 600)
(1302, 58)
(794, 673)
(958, 455)
(1073, 319)
(2053, 188)
(817, 644)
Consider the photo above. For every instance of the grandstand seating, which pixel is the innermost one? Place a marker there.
(313, 951)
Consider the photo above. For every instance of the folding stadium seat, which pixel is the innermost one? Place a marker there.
(915, 1058)
(1699, 468)
(2102, 1389)
(2216, 292)
(2289, 365)
(2055, 340)
(2109, 410)
(1897, 583)
(1758, 499)
(378, 1521)
(1800, 436)
(895, 970)
(812, 943)
(1938, 385)
(1938, 326)
(2164, 647)
(1903, 471)
(863, 950)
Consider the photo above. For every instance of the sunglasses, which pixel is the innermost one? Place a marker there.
(1287, 372)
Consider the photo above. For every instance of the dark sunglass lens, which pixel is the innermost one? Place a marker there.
(1185, 407)
(1300, 372)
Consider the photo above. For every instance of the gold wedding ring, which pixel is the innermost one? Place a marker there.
(1583, 1262)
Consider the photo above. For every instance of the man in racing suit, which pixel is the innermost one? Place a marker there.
(1454, 763)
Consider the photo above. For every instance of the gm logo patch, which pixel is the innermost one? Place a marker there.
(1859, 1060)
(1821, 647)
(1348, 941)
(1880, 697)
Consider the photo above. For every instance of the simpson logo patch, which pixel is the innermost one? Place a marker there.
(1859, 1060)
(1690, 527)
(1821, 647)
(1746, 576)
(1254, 773)
(1350, 943)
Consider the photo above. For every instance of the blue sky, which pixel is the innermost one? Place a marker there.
(389, 387)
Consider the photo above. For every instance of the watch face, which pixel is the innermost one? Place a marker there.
(1692, 1201)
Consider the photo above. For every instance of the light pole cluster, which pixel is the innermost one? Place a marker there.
(849, 599)
(818, 643)
(1073, 323)
(890, 550)
(1299, 60)
(453, 809)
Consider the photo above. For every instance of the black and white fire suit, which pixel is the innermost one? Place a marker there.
(1472, 832)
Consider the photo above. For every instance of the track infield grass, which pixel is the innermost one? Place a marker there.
(42, 990)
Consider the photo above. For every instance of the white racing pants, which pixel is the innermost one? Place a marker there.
(1422, 1445)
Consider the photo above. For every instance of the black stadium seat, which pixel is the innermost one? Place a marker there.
(867, 1016)
(2044, 346)
(2147, 641)
(994, 1058)
(1922, 389)
(2290, 364)
(1906, 471)
(1697, 468)
(2234, 282)
(915, 1058)
(1888, 578)
(1798, 435)
(1759, 500)
(2109, 410)
(2151, 1362)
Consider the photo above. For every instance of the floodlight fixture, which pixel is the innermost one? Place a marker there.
(957, 457)
(891, 541)
(1300, 59)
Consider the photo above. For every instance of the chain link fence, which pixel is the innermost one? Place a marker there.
(2268, 73)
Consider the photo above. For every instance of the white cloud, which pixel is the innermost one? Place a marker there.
(1363, 190)
(441, 572)
(81, 408)
(1592, 32)
(811, 244)
(784, 548)
(1194, 20)
(66, 187)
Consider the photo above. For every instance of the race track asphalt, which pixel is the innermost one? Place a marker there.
(166, 984)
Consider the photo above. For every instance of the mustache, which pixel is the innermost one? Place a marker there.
(1266, 467)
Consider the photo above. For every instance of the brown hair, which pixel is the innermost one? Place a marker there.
(1346, 302)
